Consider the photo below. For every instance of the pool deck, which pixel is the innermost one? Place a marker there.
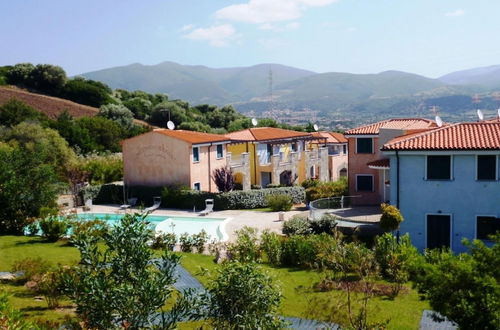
(238, 218)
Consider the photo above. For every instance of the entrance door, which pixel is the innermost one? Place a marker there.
(265, 179)
(438, 231)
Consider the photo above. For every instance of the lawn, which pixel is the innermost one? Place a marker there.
(404, 312)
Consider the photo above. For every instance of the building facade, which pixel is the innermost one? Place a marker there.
(446, 183)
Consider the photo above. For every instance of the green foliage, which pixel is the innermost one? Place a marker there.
(88, 92)
(279, 202)
(465, 288)
(139, 106)
(128, 286)
(245, 248)
(270, 244)
(101, 169)
(391, 217)
(14, 112)
(242, 296)
(326, 189)
(297, 225)
(308, 183)
(47, 78)
(11, 318)
(95, 227)
(117, 113)
(186, 242)
(105, 134)
(20, 74)
(26, 185)
(54, 228)
(48, 146)
(31, 267)
(326, 224)
(164, 241)
(50, 286)
(200, 240)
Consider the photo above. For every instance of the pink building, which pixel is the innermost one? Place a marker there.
(163, 157)
(368, 173)
(336, 143)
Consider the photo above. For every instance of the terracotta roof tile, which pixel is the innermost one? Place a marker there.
(379, 163)
(397, 123)
(331, 137)
(192, 136)
(266, 133)
(461, 136)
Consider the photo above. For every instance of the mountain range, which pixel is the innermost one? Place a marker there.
(255, 89)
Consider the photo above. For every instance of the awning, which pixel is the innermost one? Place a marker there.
(379, 164)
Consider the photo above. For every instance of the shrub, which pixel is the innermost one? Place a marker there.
(273, 185)
(164, 241)
(186, 242)
(298, 251)
(223, 178)
(50, 286)
(297, 225)
(391, 217)
(31, 267)
(256, 186)
(308, 183)
(199, 241)
(102, 169)
(327, 189)
(279, 202)
(245, 248)
(326, 224)
(53, 228)
(270, 243)
(95, 227)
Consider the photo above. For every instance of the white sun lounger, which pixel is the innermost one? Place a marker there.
(209, 207)
(156, 204)
(131, 203)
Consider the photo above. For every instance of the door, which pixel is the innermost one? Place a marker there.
(265, 179)
(438, 231)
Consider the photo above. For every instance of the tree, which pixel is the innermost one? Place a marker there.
(139, 106)
(105, 134)
(160, 114)
(21, 74)
(195, 126)
(48, 146)
(14, 112)
(223, 178)
(243, 297)
(391, 218)
(117, 113)
(48, 78)
(89, 92)
(465, 288)
(128, 285)
(26, 185)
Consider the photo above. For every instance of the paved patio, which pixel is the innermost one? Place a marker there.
(238, 218)
(359, 213)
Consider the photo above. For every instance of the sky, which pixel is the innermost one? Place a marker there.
(427, 37)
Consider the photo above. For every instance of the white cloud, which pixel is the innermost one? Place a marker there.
(268, 11)
(277, 28)
(187, 27)
(217, 35)
(455, 13)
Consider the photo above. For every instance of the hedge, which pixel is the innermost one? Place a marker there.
(187, 199)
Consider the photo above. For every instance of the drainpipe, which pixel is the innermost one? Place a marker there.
(209, 169)
(397, 190)
(255, 163)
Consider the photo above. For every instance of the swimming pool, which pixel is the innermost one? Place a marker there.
(214, 227)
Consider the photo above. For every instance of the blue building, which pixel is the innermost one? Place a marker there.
(446, 182)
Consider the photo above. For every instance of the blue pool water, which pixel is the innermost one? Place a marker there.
(166, 223)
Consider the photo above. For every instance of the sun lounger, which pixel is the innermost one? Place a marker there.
(156, 204)
(131, 203)
(209, 207)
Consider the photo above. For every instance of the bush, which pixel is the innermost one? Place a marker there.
(270, 243)
(308, 183)
(53, 228)
(102, 169)
(256, 186)
(50, 286)
(279, 202)
(245, 248)
(199, 240)
(297, 225)
(186, 242)
(164, 241)
(223, 178)
(391, 217)
(327, 189)
(95, 227)
(273, 185)
(31, 267)
(326, 224)
(298, 251)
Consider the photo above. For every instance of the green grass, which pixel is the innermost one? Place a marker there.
(404, 312)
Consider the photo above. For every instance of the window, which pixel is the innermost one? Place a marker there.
(197, 186)
(220, 151)
(364, 183)
(486, 167)
(486, 226)
(438, 167)
(364, 145)
(345, 148)
(196, 154)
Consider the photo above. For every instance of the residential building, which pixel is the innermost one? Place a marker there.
(368, 173)
(268, 155)
(163, 157)
(336, 143)
(446, 183)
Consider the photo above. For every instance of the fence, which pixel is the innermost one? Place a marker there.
(321, 206)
